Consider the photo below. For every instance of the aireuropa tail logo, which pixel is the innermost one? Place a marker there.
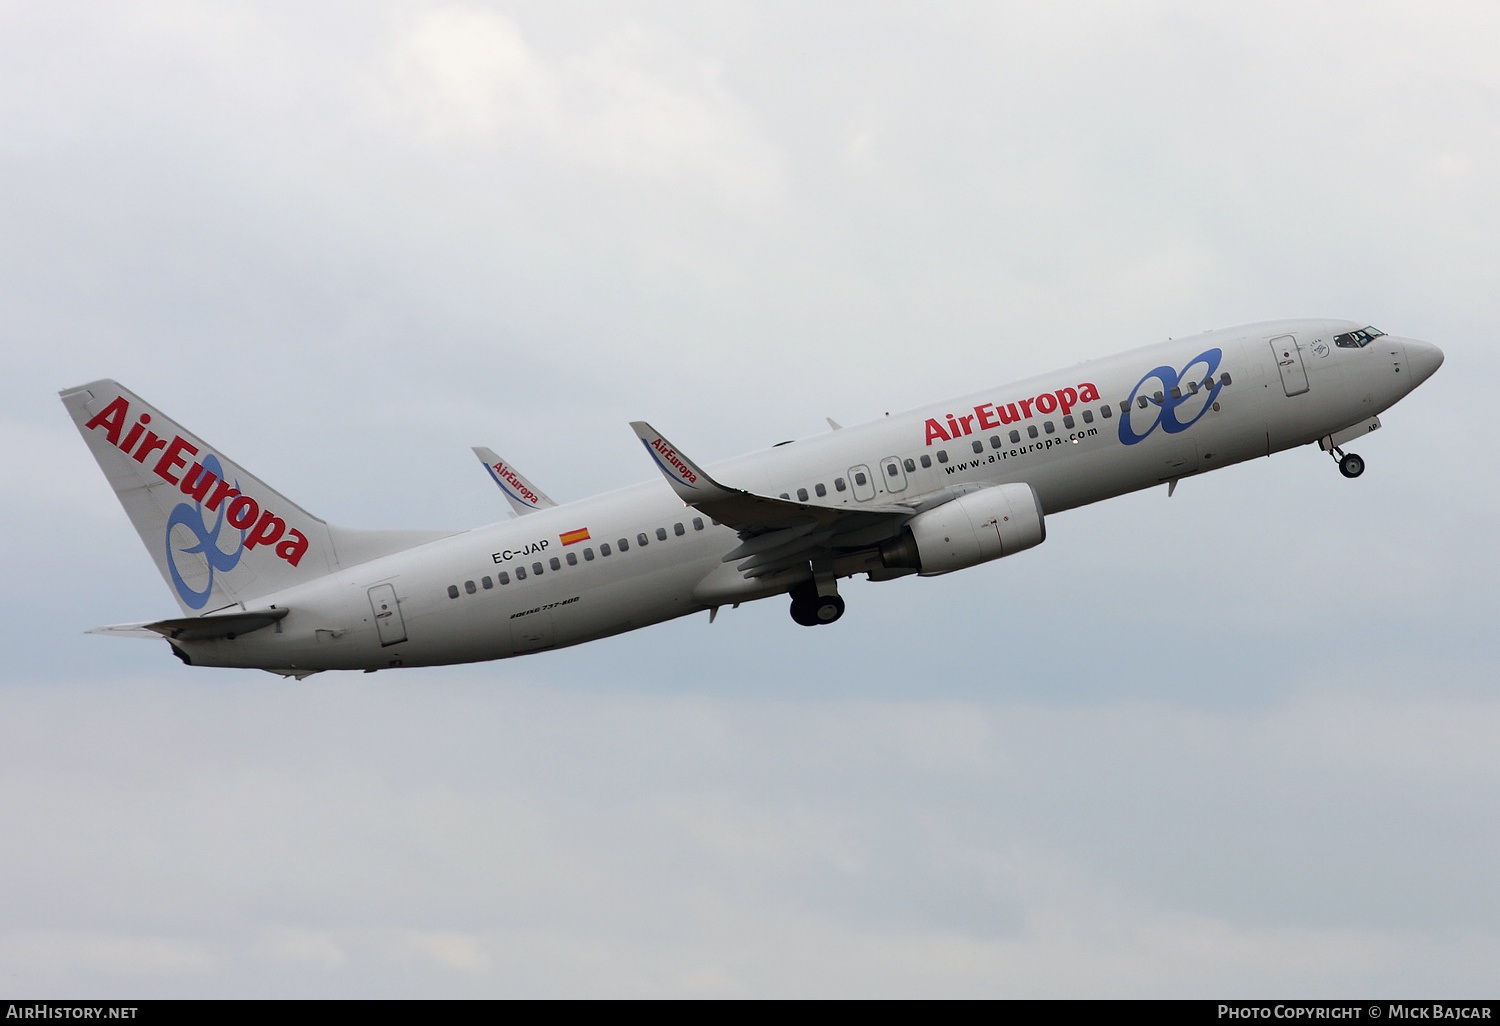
(204, 483)
(219, 561)
(1183, 388)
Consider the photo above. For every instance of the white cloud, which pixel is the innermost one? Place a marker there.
(53, 958)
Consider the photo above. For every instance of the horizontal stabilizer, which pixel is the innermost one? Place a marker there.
(127, 630)
(196, 628)
(523, 496)
(222, 625)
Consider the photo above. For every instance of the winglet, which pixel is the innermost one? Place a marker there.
(523, 496)
(687, 479)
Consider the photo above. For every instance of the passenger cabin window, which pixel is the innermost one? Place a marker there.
(572, 559)
(1031, 430)
(469, 587)
(588, 555)
(520, 573)
(1015, 436)
(801, 494)
(679, 530)
(661, 534)
(554, 563)
(1107, 411)
(1192, 388)
(486, 583)
(942, 455)
(860, 479)
(1176, 392)
(911, 466)
(1049, 426)
(623, 543)
(838, 484)
(1142, 402)
(978, 446)
(926, 461)
(1088, 417)
(697, 523)
(1224, 379)
(641, 539)
(820, 489)
(995, 442)
(504, 577)
(1068, 421)
(604, 549)
(1357, 339)
(536, 568)
(891, 470)
(453, 591)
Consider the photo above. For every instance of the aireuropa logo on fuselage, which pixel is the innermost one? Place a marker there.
(1172, 395)
(988, 416)
(204, 483)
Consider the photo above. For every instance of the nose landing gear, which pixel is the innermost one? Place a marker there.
(815, 603)
(1350, 465)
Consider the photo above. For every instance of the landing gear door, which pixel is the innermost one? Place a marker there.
(892, 474)
(388, 622)
(862, 483)
(1289, 362)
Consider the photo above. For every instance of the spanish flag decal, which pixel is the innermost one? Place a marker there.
(582, 534)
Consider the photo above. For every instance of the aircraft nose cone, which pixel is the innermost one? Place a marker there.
(1423, 358)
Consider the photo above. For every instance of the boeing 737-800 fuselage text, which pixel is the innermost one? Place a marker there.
(262, 583)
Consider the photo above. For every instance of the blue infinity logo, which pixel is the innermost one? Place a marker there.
(1165, 415)
(191, 517)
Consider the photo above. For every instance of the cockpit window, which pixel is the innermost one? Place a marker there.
(1357, 339)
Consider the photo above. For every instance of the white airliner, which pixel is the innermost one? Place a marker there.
(263, 583)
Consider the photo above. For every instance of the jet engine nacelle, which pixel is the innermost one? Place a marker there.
(975, 528)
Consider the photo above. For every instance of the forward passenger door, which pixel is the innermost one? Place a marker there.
(1289, 362)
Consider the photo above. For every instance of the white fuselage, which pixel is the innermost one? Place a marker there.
(981, 439)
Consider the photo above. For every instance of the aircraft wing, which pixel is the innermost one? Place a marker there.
(523, 496)
(775, 534)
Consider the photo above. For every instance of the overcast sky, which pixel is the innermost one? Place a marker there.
(1239, 742)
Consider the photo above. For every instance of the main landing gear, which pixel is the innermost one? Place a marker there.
(817, 602)
(1350, 465)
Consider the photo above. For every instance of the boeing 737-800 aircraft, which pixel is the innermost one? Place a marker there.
(263, 583)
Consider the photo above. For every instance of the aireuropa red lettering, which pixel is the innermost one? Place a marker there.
(244, 512)
(670, 455)
(515, 482)
(989, 416)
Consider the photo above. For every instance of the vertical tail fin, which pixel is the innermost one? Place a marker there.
(218, 534)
